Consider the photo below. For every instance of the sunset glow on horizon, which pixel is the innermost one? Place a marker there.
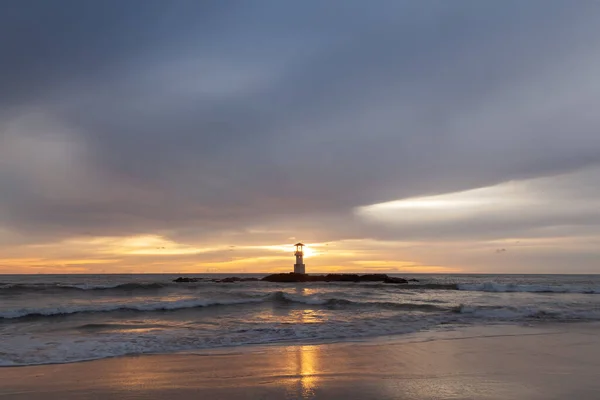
(492, 206)
(154, 254)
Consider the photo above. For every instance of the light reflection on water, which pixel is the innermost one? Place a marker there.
(304, 291)
(307, 316)
(305, 359)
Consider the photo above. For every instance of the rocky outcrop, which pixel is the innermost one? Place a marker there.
(235, 279)
(292, 277)
(230, 279)
(187, 280)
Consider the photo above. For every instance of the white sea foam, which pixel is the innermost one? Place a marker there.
(311, 300)
(484, 313)
(38, 349)
(511, 287)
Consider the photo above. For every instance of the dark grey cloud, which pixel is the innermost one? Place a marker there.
(183, 116)
(48, 45)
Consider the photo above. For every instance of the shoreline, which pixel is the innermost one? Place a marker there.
(454, 332)
(546, 361)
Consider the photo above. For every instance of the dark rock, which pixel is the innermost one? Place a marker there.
(292, 277)
(224, 280)
(374, 278)
(413, 280)
(228, 280)
(337, 278)
(236, 279)
(187, 280)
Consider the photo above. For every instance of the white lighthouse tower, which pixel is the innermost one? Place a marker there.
(299, 267)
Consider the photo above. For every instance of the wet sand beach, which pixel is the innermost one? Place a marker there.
(560, 361)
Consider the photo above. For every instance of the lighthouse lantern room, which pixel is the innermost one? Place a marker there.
(299, 267)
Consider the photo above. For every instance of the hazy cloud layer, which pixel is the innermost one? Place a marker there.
(199, 121)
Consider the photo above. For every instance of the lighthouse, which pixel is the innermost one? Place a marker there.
(299, 267)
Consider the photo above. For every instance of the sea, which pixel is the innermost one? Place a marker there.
(48, 319)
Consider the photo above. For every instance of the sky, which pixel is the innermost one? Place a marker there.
(389, 136)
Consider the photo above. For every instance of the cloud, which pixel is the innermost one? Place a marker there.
(200, 122)
(525, 208)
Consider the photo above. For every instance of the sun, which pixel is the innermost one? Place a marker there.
(308, 252)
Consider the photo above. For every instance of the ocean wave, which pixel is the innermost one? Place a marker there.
(431, 286)
(494, 287)
(286, 297)
(275, 297)
(119, 327)
(33, 350)
(512, 287)
(102, 308)
(338, 300)
(510, 313)
(396, 288)
(110, 339)
(25, 288)
(103, 337)
(16, 288)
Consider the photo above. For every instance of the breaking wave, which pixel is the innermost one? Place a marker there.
(280, 297)
(275, 297)
(16, 288)
(286, 297)
(154, 306)
(508, 313)
(512, 287)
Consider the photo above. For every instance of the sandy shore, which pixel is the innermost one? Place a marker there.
(551, 362)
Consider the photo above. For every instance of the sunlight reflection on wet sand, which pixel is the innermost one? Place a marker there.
(304, 360)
